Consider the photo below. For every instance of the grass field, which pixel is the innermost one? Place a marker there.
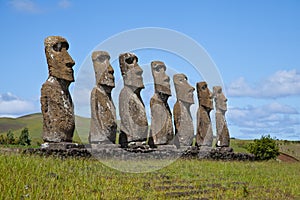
(31, 177)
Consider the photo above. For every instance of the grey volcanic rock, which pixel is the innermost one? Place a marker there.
(204, 135)
(56, 102)
(103, 113)
(184, 129)
(134, 125)
(161, 129)
(223, 138)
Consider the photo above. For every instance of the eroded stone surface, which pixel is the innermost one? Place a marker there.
(103, 113)
(161, 129)
(204, 135)
(134, 125)
(184, 129)
(223, 138)
(56, 102)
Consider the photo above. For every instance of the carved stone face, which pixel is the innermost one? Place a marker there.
(161, 79)
(103, 70)
(204, 95)
(59, 61)
(184, 91)
(131, 71)
(220, 99)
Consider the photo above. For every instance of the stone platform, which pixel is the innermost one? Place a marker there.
(113, 151)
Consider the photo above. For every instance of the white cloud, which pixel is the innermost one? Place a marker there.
(283, 83)
(25, 6)
(64, 4)
(11, 105)
(273, 118)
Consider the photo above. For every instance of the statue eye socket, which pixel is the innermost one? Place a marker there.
(59, 46)
(101, 59)
(129, 60)
(158, 68)
(204, 87)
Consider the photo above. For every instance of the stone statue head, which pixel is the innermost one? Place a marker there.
(184, 91)
(59, 61)
(161, 79)
(220, 99)
(131, 71)
(204, 95)
(103, 70)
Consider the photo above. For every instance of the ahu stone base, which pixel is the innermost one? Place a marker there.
(61, 150)
(170, 152)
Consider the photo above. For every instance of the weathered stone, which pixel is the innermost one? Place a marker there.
(204, 128)
(134, 125)
(223, 138)
(62, 145)
(109, 147)
(56, 103)
(161, 129)
(103, 113)
(184, 129)
(166, 147)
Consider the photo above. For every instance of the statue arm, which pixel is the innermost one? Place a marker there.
(45, 105)
(177, 118)
(94, 109)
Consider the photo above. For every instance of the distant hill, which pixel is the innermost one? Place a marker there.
(34, 123)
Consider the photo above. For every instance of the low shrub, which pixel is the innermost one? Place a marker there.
(264, 148)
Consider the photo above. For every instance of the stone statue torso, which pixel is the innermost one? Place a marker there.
(133, 115)
(223, 137)
(184, 128)
(161, 121)
(58, 111)
(204, 129)
(103, 118)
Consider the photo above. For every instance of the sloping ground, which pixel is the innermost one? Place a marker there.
(34, 123)
(291, 148)
(286, 158)
(9, 124)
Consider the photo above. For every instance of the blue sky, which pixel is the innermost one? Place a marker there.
(254, 44)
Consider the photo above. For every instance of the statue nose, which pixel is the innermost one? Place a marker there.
(210, 94)
(167, 79)
(192, 89)
(110, 69)
(69, 61)
(139, 70)
(70, 64)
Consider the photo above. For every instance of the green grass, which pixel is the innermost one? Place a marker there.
(32, 177)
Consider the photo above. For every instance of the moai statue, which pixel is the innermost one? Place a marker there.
(134, 125)
(161, 129)
(103, 113)
(204, 128)
(223, 138)
(56, 103)
(184, 128)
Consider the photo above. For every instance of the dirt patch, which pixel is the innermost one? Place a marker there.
(287, 158)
